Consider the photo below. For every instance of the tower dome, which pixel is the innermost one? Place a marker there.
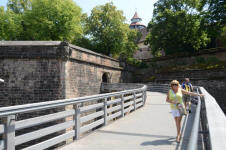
(136, 22)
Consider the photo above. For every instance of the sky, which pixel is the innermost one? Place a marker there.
(144, 7)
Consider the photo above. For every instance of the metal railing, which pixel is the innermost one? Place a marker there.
(209, 124)
(115, 87)
(210, 121)
(158, 87)
(213, 121)
(192, 144)
(81, 115)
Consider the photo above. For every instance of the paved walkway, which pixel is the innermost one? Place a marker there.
(149, 128)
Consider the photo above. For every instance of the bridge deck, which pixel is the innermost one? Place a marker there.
(150, 128)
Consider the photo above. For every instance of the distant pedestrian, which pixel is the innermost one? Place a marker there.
(186, 85)
(174, 97)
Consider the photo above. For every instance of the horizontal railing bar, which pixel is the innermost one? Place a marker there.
(114, 101)
(91, 116)
(158, 85)
(166, 86)
(158, 88)
(128, 109)
(117, 114)
(57, 103)
(138, 100)
(138, 95)
(52, 142)
(43, 119)
(114, 108)
(91, 126)
(128, 103)
(128, 97)
(2, 129)
(2, 145)
(138, 105)
(91, 107)
(43, 132)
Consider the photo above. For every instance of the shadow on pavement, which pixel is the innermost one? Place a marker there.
(169, 141)
(135, 134)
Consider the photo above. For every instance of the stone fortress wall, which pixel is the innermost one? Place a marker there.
(214, 81)
(36, 71)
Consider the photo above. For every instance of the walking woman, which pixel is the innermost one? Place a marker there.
(174, 97)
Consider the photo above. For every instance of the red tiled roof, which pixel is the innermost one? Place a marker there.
(136, 23)
(135, 16)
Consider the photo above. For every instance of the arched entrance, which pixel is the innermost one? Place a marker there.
(105, 77)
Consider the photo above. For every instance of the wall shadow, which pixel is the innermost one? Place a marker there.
(169, 141)
(134, 134)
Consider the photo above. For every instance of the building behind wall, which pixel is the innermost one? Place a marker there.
(143, 52)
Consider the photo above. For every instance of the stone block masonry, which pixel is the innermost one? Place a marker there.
(36, 71)
(214, 80)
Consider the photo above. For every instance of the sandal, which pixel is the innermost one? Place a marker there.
(178, 138)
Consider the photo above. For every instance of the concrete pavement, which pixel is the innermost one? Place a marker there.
(149, 128)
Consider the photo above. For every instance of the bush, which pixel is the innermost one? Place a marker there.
(212, 60)
(136, 63)
(200, 60)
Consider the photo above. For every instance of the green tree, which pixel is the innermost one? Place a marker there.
(130, 42)
(84, 41)
(175, 27)
(214, 19)
(216, 10)
(109, 32)
(10, 27)
(52, 20)
(19, 6)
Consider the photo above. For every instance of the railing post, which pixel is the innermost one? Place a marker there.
(143, 98)
(134, 100)
(105, 112)
(122, 104)
(9, 135)
(77, 121)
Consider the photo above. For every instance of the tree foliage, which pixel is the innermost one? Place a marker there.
(52, 20)
(176, 27)
(214, 18)
(10, 27)
(216, 10)
(104, 31)
(41, 20)
(19, 6)
(108, 31)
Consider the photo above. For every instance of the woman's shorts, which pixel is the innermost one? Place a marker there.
(175, 113)
(186, 98)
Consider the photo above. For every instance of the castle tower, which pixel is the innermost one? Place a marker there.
(136, 22)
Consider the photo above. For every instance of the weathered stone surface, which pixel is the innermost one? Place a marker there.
(43, 71)
(29, 81)
(214, 81)
(188, 59)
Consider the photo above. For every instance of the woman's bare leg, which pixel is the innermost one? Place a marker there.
(179, 127)
(176, 121)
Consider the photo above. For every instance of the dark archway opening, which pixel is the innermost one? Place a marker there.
(105, 78)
